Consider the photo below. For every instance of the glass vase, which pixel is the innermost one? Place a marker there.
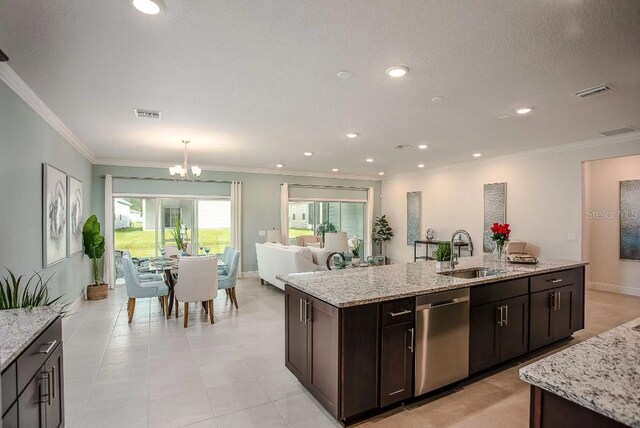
(498, 250)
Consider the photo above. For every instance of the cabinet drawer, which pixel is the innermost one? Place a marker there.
(37, 353)
(9, 387)
(397, 311)
(483, 294)
(551, 280)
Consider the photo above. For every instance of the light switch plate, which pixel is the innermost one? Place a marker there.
(262, 233)
(571, 236)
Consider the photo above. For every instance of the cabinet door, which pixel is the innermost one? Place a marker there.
(484, 337)
(296, 336)
(541, 330)
(514, 333)
(322, 320)
(31, 402)
(54, 409)
(562, 317)
(10, 419)
(396, 363)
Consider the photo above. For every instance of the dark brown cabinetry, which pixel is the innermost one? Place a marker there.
(396, 351)
(498, 323)
(557, 306)
(35, 383)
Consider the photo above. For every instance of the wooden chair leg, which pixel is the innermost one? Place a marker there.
(261, 281)
(165, 305)
(211, 312)
(186, 314)
(234, 297)
(177, 307)
(131, 308)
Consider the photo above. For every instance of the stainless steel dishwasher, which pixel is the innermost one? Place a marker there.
(442, 339)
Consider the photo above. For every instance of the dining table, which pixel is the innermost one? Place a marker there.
(170, 267)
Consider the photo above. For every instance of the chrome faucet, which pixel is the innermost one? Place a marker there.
(453, 249)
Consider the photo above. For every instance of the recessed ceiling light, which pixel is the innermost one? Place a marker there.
(420, 165)
(279, 165)
(344, 74)
(352, 135)
(369, 160)
(397, 71)
(422, 146)
(308, 153)
(381, 173)
(477, 155)
(523, 110)
(335, 170)
(437, 99)
(504, 116)
(150, 7)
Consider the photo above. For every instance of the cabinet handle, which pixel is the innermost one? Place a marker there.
(46, 398)
(500, 317)
(555, 280)
(53, 382)
(307, 312)
(301, 310)
(412, 330)
(558, 305)
(552, 299)
(49, 348)
(397, 314)
(506, 315)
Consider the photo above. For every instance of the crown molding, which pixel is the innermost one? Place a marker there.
(562, 148)
(221, 168)
(17, 85)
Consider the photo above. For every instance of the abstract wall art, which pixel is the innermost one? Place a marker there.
(495, 211)
(54, 215)
(414, 216)
(76, 216)
(630, 220)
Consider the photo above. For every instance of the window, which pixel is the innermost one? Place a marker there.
(170, 216)
(303, 216)
(293, 216)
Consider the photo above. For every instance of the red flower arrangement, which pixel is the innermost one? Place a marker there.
(500, 233)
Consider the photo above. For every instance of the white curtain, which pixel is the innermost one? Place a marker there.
(109, 262)
(236, 220)
(370, 220)
(284, 213)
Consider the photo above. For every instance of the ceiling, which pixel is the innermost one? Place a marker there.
(253, 83)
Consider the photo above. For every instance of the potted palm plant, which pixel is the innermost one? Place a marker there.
(93, 243)
(356, 245)
(14, 293)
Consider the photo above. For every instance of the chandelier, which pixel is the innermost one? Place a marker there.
(181, 172)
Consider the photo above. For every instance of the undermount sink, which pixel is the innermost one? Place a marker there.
(472, 273)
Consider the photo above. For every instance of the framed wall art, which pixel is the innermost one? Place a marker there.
(495, 211)
(76, 215)
(54, 215)
(630, 220)
(414, 216)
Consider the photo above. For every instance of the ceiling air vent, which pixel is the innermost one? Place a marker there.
(612, 132)
(402, 147)
(147, 114)
(592, 92)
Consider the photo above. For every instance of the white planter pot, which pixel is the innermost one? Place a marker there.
(355, 261)
(443, 265)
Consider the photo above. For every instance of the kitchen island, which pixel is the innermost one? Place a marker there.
(593, 383)
(31, 367)
(356, 338)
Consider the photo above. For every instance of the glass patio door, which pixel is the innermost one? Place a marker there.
(176, 216)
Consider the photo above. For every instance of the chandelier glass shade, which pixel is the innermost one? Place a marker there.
(181, 172)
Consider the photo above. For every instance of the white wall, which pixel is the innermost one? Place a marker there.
(544, 197)
(602, 225)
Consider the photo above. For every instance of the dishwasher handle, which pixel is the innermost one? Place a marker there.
(443, 304)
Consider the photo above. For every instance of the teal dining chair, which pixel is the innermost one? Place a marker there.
(227, 281)
(225, 258)
(137, 289)
(143, 277)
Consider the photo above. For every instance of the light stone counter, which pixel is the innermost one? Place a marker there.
(601, 374)
(359, 286)
(19, 327)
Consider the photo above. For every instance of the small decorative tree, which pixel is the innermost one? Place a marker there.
(382, 233)
(93, 243)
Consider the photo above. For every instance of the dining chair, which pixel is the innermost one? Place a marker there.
(172, 251)
(197, 282)
(143, 277)
(225, 258)
(137, 289)
(228, 281)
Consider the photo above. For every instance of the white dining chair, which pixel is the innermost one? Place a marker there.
(197, 282)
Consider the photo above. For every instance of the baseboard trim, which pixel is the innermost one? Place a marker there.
(250, 274)
(614, 288)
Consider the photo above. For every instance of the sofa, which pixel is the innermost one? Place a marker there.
(277, 259)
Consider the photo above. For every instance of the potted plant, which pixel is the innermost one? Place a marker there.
(442, 255)
(93, 243)
(180, 234)
(382, 233)
(34, 293)
(356, 245)
(325, 227)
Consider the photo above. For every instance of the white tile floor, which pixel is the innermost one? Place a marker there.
(155, 373)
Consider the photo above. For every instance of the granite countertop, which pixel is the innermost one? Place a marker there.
(359, 286)
(601, 374)
(19, 327)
